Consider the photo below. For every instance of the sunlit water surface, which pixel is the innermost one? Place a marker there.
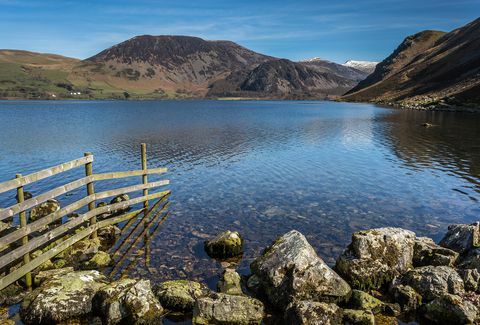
(260, 167)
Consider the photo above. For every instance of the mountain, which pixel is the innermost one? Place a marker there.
(430, 69)
(171, 67)
(282, 78)
(365, 66)
(26, 74)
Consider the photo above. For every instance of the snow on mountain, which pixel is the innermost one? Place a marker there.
(366, 66)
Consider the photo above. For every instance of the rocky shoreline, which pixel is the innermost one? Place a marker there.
(384, 275)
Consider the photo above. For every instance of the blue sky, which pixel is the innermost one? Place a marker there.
(334, 30)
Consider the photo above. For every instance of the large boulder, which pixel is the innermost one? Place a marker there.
(426, 252)
(62, 297)
(462, 238)
(44, 209)
(471, 279)
(230, 283)
(450, 309)
(128, 301)
(290, 269)
(313, 313)
(376, 256)
(180, 295)
(408, 299)
(433, 281)
(224, 245)
(220, 308)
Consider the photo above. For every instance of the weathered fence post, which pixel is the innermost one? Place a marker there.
(144, 176)
(90, 191)
(23, 223)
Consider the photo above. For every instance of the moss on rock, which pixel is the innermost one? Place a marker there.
(225, 245)
(180, 295)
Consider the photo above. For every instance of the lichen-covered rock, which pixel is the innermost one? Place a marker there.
(313, 313)
(230, 283)
(471, 279)
(220, 308)
(358, 317)
(426, 252)
(62, 297)
(118, 199)
(128, 301)
(290, 269)
(462, 238)
(108, 235)
(406, 297)
(450, 309)
(364, 301)
(224, 245)
(12, 294)
(433, 281)
(99, 260)
(180, 295)
(44, 209)
(376, 256)
(471, 260)
(382, 319)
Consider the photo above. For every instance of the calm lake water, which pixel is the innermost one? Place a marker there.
(262, 168)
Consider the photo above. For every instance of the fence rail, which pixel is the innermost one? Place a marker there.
(30, 233)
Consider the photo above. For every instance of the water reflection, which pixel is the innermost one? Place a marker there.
(263, 168)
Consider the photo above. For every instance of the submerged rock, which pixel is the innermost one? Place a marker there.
(433, 281)
(450, 309)
(230, 283)
(62, 297)
(360, 317)
(99, 260)
(376, 256)
(462, 238)
(290, 269)
(220, 308)
(44, 209)
(180, 295)
(311, 313)
(426, 252)
(224, 245)
(127, 301)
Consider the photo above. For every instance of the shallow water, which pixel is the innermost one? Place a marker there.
(263, 168)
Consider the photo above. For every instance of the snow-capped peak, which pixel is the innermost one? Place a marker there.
(315, 59)
(367, 66)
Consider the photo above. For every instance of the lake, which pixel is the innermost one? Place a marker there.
(260, 167)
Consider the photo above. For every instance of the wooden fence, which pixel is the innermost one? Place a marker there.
(19, 242)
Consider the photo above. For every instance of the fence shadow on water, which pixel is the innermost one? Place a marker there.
(19, 237)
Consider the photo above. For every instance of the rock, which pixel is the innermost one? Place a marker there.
(26, 195)
(62, 297)
(180, 295)
(4, 226)
(49, 274)
(381, 319)
(433, 281)
(313, 313)
(406, 297)
(44, 209)
(12, 294)
(471, 260)
(471, 279)
(220, 308)
(290, 270)
(426, 252)
(450, 309)
(224, 245)
(83, 250)
(108, 235)
(103, 215)
(59, 263)
(99, 260)
(360, 317)
(118, 199)
(364, 301)
(461, 238)
(230, 283)
(376, 256)
(127, 301)
(254, 284)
